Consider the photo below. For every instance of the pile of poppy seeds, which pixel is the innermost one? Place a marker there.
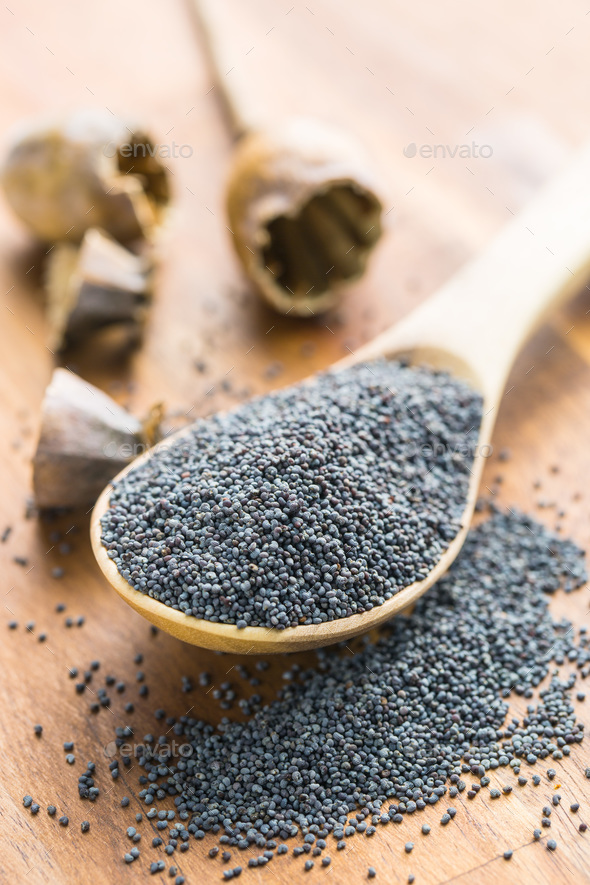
(403, 717)
(365, 739)
(307, 505)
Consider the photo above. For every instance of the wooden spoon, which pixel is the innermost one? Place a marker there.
(473, 327)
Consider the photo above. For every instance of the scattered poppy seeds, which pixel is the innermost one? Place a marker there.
(366, 740)
(400, 718)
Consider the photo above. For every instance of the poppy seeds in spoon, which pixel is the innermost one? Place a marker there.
(307, 505)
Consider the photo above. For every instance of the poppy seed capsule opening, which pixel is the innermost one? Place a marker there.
(326, 243)
(303, 212)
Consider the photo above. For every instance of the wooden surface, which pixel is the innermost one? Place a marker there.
(396, 73)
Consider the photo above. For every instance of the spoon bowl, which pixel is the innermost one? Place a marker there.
(473, 328)
(265, 640)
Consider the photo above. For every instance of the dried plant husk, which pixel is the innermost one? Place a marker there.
(64, 175)
(85, 439)
(93, 285)
(151, 426)
(304, 213)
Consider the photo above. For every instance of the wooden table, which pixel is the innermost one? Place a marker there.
(511, 76)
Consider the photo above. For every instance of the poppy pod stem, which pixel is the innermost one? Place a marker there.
(236, 102)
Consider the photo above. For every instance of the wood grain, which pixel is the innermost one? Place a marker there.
(447, 65)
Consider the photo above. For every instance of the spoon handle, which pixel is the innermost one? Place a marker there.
(481, 317)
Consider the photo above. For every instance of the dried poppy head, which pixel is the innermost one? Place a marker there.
(85, 439)
(90, 169)
(303, 213)
(94, 285)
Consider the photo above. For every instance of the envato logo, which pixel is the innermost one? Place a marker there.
(130, 451)
(442, 151)
(146, 149)
(439, 449)
(162, 751)
(125, 451)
